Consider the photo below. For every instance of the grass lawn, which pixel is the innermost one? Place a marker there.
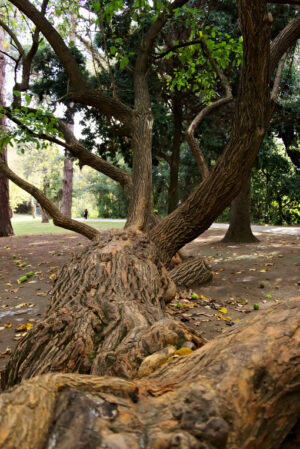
(29, 226)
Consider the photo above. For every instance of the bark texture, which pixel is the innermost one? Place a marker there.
(240, 391)
(106, 314)
(239, 230)
(190, 272)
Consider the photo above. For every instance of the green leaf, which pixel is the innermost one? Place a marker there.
(124, 61)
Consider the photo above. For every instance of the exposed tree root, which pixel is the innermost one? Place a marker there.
(240, 391)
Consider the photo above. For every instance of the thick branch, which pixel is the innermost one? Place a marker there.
(58, 218)
(83, 93)
(96, 162)
(283, 41)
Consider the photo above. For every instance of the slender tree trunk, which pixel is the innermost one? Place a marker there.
(67, 188)
(239, 230)
(174, 165)
(140, 205)
(33, 207)
(45, 215)
(5, 223)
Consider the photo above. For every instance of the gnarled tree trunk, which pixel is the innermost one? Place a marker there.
(106, 314)
(240, 391)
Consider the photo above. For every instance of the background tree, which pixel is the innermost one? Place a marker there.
(5, 223)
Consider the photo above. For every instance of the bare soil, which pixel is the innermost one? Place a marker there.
(244, 275)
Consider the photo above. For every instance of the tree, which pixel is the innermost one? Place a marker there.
(5, 223)
(107, 313)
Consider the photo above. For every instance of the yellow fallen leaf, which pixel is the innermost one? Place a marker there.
(221, 269)
(9, 284)
(202, 297)
(183, 351)
(237, 320)
(24, 304)
(188, 305)
(8, 325)
(223, 310)
(52, 276)
(263, 270)
(24, 327)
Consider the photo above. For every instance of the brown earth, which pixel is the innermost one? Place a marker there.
(262, 273)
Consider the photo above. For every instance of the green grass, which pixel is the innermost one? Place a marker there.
(30, 226)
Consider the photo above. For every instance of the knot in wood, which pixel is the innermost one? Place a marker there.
(268, 18)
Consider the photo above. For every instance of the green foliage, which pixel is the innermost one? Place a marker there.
(275, 186)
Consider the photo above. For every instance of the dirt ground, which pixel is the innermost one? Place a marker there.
(244, 275)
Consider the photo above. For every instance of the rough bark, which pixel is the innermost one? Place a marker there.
(106, 313)
(5, 223)
(240, 391)
(192, 271)
(239, 230)
(67, 188)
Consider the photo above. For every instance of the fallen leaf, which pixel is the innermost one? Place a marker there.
(8, 325)
(24, 327)
(24, 304)
(223, 310)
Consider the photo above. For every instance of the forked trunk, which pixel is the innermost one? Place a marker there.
(239, 230)
(240, 391)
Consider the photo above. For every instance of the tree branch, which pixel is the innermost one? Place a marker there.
(87, 158)
(83, 93)
(14, 37)
(191, 140)
(277, 80)
(153, 31)
(58, 218)
(283, 41)
(79, 151)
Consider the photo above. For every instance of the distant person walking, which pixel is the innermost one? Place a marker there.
(85, 213)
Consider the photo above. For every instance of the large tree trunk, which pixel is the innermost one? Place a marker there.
(239, 230)
(240, 391)
(67, 188)
(106, 314)
(5, 223)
